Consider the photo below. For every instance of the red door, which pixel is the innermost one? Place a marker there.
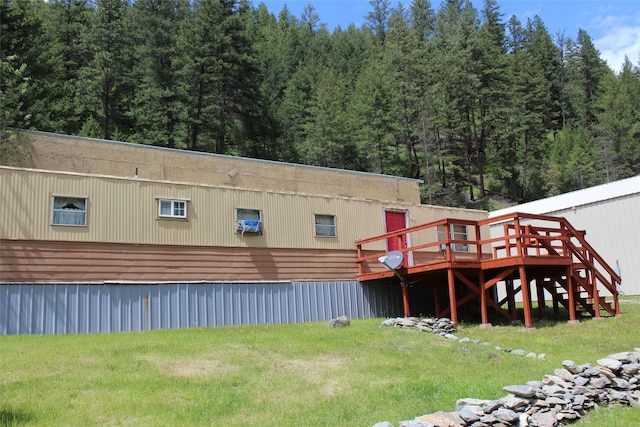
(395, 221)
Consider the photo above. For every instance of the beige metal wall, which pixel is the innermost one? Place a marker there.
(125, 210)
(99, 157)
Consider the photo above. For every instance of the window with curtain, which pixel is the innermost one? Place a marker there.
(69, 211)
(325, 225)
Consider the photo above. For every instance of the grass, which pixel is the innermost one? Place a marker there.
(287, 375)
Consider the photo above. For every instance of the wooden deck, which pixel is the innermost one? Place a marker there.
(532, 255)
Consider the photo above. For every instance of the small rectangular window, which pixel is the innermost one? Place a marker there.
(325, 225)
(457, 232)
(172, 208)
(248, 221)
(69, 211)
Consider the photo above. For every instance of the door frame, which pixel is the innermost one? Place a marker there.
(408, 256)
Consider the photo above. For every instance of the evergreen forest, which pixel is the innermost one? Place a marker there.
(478, 105)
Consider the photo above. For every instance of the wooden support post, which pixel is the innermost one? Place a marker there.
(594, 290)
(526, 298)
(453, 303)
(554, 295)
(541, 302)
(572, 296)
(483, 300)
(512, 299)
(405, 298)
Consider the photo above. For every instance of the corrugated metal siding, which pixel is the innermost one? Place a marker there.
(87, 308)
(124, 210)
(613, 229)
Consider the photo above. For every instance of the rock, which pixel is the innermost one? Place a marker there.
(565, 374)
(591, 372)
(610, 363)
(461, 403)
(581, 380)
(514, 403)
(339, 322)
(414, 423)
(620, 383)
(544, 419)
(507, 415)
(405, 322)
(624, 357)
(518, 352)
(631, 368)
(383, 424)
(520, 390)
(571, 366)
(599, 382)
(388, 322)
(469, 415)
(440, 419)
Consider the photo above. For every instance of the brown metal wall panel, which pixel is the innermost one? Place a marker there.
(41, 261)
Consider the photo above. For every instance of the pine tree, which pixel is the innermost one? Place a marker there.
(158, 109)
(102, 88)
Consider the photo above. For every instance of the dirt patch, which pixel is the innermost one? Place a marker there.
(323, 372)
(185, 367)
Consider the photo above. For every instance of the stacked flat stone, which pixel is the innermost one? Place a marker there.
(440, 326)
(557, 399)
(446, 328)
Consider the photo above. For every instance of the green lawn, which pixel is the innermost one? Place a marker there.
(287, 375)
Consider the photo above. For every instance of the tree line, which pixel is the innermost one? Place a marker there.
(473, 104)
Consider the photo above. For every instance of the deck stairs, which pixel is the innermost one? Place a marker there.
(544, 251)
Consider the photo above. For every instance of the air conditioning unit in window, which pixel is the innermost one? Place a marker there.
(248, 226)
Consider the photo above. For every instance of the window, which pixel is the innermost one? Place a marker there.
(172, 208)
(248, 221)
(457, 232)
(69, 211)
(325, 225)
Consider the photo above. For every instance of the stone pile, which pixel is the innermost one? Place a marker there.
(557, 399)
(446, 328)
(441, 326)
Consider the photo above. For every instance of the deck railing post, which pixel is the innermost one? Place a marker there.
(360, 263)
(478, 242)
(447, 237)
(518, 231)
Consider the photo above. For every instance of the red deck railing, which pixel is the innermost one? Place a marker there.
(519, 239)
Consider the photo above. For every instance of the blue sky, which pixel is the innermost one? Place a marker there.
(614, 25)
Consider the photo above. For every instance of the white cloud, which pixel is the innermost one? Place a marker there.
(618, 42)
(620, 37)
